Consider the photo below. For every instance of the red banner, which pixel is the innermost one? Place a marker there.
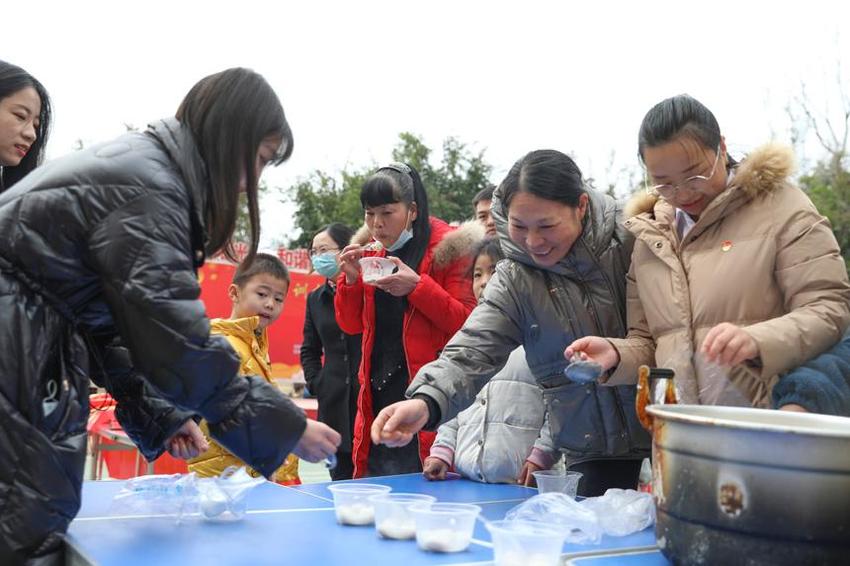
(286, 334)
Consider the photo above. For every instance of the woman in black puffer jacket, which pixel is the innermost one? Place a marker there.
(98, 281)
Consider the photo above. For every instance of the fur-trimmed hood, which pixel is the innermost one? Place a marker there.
(763, 171)
(453, 243)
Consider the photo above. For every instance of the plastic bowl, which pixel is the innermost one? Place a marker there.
(374, 268)
(352, 502)
(526, 543)
(556, 481)
(444, 527)
(392, 514)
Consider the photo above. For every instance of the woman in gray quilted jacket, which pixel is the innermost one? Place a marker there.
(563, 277)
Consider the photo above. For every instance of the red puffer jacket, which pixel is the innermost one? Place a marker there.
(437, 308)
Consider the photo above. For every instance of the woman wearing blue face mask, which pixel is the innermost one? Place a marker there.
(406, 318)
(329, 357)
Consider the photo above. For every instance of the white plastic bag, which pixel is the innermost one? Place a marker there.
(157, 496)
(180, 495)
(557, 509)
(621, 512)
(223, 498)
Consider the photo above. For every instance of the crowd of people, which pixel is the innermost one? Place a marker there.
(720, 269)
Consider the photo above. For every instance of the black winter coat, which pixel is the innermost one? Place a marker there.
(334, 383)
(98, 252)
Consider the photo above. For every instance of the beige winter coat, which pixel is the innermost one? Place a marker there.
(761, 257)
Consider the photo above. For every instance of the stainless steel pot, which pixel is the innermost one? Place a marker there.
(751, 486)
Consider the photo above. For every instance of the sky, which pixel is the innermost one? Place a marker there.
(504, 77)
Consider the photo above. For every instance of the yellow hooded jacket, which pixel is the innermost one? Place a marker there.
(253, 349)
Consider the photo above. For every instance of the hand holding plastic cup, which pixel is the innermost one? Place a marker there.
(556, 481)
(374, 268)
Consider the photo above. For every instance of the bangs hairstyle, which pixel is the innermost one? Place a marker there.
(489, 247)
(545, 173)
(229, 114)
(399, 182)
(263, 264)
(679, 116)
(14, 79)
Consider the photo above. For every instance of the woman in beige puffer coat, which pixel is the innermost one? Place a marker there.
(735, 276)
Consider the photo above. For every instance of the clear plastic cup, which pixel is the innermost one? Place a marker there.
(526, 543)
(392, 514)
(374, 268)
(352, 502)
(549, 481)
(444, 527)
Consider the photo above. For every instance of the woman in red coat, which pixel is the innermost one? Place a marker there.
(407, 317)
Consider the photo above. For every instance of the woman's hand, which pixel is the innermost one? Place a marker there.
(348, 262)
(595, 349)
(729, 345)
(793, 408)
(188, 442)
(317, 442)
(395, 425)
(402, 282)
(434, 469)
(526, 475)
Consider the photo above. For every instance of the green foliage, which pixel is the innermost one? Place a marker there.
(322, 198)
(828, 185)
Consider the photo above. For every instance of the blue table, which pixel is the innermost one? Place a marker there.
(297, 525)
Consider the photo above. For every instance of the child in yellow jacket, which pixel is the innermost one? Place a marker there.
(258, 292)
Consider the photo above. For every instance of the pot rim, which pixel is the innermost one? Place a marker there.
(747, 418)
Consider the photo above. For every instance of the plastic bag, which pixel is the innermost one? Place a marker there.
(223, 498)
(622, 512)
(157, 496)
(558, 509)
(619, 512)
(180, 495)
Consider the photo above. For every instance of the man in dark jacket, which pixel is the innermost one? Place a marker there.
(99, 254)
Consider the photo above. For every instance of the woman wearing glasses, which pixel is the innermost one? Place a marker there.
(735, 276)
(329, 357)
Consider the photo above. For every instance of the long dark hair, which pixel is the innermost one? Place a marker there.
(545, 173)
(681, 115)
(229, 114)
(399, 182)
(339, 233)
(14, 79)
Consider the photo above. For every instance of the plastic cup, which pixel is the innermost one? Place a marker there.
(374, 268)
(392, 514)
(526, 543)
(444, 527)
(352, 502)
(556, 481)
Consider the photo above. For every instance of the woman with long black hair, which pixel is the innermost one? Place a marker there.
(25, 117)
(98, 281)
(406, 318)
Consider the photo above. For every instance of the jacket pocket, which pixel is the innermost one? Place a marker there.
(574, 416)
(61, 391)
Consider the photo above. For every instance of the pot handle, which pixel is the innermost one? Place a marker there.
(645, 375)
